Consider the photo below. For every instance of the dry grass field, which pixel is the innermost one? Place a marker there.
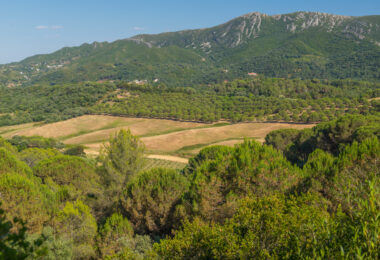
(164, 139)
(5, 130)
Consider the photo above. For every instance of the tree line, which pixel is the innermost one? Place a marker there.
(258, 99)
(262, 99)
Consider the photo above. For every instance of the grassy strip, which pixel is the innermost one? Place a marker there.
(141, 136)
(83, 132)
(183, 129)
(7, 131)
(15, 129)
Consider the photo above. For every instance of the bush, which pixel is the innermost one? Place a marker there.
(345, 177)
(14, 244)
(23, 142)
(75, 150)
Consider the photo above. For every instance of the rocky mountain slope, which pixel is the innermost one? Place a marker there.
(301, 44)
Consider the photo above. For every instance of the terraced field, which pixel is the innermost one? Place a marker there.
(165, 140)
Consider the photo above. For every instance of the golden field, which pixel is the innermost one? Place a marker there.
(164, 139)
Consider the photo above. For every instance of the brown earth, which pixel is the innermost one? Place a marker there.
(161, 137)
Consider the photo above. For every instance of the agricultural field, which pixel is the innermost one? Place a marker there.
(163, 163)
(164, 139)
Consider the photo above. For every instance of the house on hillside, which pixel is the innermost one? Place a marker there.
(252, 74)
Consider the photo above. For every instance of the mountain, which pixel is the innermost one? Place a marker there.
(301, 44)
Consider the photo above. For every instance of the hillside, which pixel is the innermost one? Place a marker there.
(302, 44)
(252, 100)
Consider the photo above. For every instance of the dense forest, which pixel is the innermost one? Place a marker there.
(257, 99)
(304, 194)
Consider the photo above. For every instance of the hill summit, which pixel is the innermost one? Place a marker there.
(300, 44)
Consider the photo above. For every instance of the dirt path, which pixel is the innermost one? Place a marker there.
(168, 158)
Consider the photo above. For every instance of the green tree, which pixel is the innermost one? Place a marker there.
(72, 177)
(281, 138)
(9, 162)
(121, 158)
(14, 244)
(114, 235)
(77, 150)
(75, 222)
(267, 227)
(248, 168)
(31, 156)
(150, 198)
(7, 146)
(27, 199)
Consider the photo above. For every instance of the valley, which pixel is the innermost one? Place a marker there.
(257, 138)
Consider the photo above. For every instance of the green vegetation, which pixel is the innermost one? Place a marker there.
(330, 137)
(76, 223)
(259, 99)
(291, 45)
(14, 245)
(304, 194)
(121, 159)
(73, 177)
(149, 199)
(48, 103)
(24, 142)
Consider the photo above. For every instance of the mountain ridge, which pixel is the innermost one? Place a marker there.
(299, 44)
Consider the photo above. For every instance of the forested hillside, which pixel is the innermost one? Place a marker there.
(258, 99)
(309, 192)
(312, 193)
(297, 45)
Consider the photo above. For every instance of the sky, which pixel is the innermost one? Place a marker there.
(29, 27)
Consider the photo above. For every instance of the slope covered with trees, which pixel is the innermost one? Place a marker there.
(248, 201)
(297, 45)
(258, 99)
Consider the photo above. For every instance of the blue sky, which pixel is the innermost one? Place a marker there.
(29, 27)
